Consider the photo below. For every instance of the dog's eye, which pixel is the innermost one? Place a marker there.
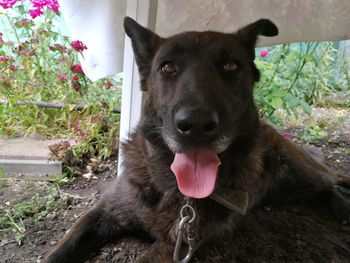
(168, 68)
(230, 67)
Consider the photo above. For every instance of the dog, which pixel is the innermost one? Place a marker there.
(200, 157)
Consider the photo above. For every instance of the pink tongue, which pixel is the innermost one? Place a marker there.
(196, 172)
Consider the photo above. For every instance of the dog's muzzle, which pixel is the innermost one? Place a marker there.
(199, 124)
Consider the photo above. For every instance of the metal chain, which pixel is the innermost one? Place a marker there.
(185, 232)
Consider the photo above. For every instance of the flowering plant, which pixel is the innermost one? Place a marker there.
(38, 63)
(298, 75)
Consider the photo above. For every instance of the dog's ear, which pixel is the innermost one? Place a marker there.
(249, 34)
(145, 44)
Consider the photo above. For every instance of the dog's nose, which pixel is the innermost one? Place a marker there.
(200, 123)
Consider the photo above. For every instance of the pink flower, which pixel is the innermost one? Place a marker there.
(8, 3)
(264, 53)
(35, 12)
(1, 40)
(109, 84)
(38, 6)
(12, 67)
(76, 127)
(288, 135)
(58, 47)
(76, 77)
(50, 4)
(77, 68)
(4, 59)
(61, 78)
(78, 45)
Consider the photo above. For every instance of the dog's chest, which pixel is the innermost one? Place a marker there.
(212, 219)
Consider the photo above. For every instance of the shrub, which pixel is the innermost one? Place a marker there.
(38, 63)
(298, 76)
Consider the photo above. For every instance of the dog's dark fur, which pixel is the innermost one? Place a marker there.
(209, 75)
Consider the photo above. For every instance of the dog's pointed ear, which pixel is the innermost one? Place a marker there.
(145, 44)
(249, 34)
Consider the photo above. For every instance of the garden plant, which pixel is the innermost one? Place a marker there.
(39, 63)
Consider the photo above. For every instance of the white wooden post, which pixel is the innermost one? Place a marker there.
(144, 12)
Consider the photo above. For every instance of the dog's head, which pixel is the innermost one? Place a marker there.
(199, 91)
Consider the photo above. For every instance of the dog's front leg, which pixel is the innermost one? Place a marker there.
(87, 235)
(80, 240)
(91, 232)
(310, 178)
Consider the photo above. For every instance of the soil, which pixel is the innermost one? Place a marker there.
(293, 232)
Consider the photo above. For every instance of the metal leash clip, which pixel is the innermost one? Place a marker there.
(185, 233)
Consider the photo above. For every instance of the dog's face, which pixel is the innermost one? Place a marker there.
(199, 84)
(199, 95)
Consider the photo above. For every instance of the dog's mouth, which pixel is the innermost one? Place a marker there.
(196, 172)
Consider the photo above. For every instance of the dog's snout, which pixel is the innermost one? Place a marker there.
(199, 123)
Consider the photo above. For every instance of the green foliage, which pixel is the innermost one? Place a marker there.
(66, 177)
(312, 134)
(38, 63)
(297, 76)
(14, 215)
(2, 177)
(347, 150)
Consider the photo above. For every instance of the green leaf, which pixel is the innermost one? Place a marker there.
(306, 107)
(279, 93)
(292, 101)
(276, 102)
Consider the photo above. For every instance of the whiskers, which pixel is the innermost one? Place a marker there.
(222, 143)
(164, 138)
(154, 132)
(172, 143)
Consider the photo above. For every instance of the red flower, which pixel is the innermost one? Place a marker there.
(12, 67)
(58, 47)
(25, 22)
(77, 128)
(77, 68)
(264, 53)
(76, 77)
(76, 86)
(78, 45)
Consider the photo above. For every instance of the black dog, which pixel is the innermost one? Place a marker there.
(200, 145)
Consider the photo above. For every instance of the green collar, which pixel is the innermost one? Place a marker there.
(237, 201)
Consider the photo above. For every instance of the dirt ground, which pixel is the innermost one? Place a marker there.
(293, 232)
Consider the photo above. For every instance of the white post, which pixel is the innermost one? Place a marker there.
(144, 12)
